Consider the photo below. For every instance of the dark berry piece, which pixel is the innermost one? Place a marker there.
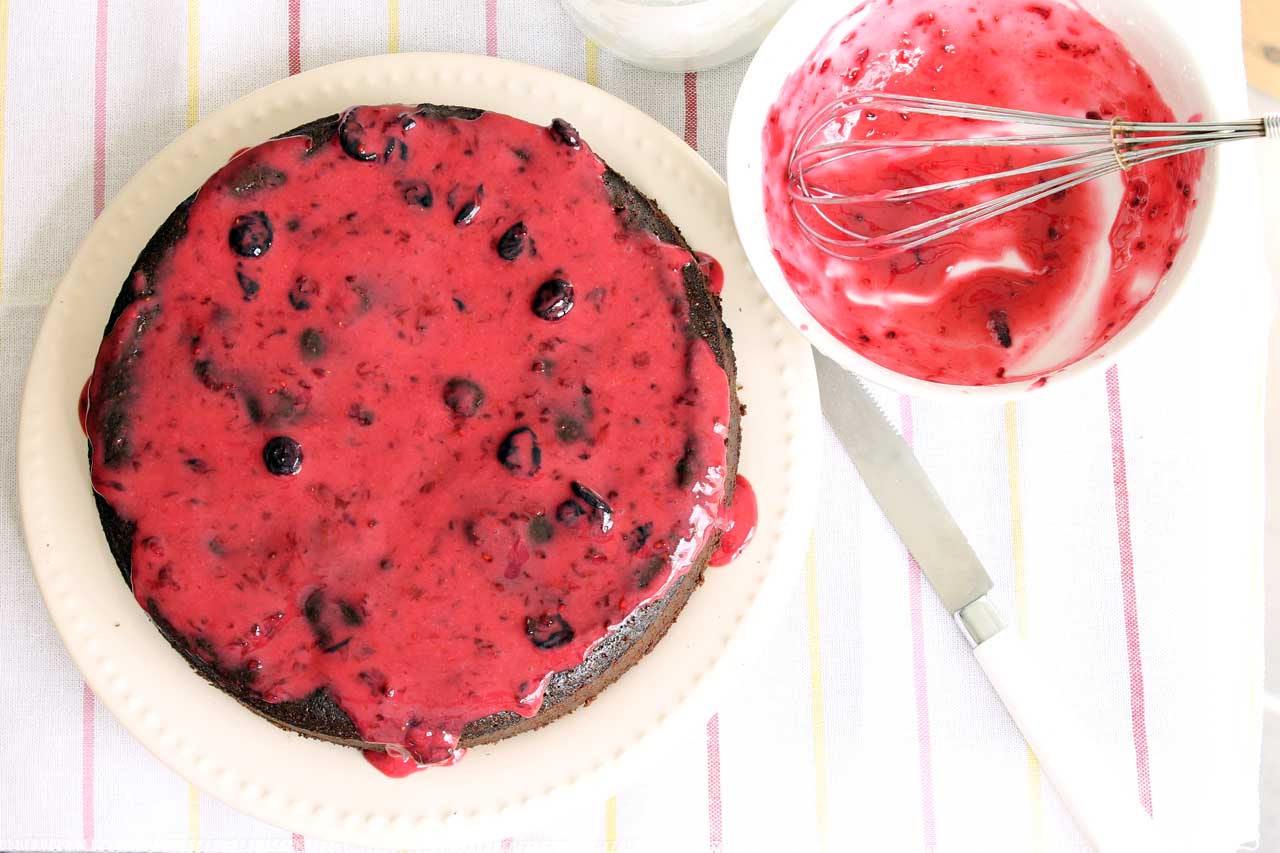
(467, 213)
(548, 630)
(390, 150)
(283, 456)
(463, 397)
(638, 535)
(519, 452)
(418, 194)
(570, 513)
(599, 506)
(313, 607)
(350, 613)
(338, 646)
(253, 408)
(511, 243)
(301, 293)
(999, 326)
(312, 344)
(197, 464)
(646, 573)
(351, 136)
(250, 234)
(460, 305)
(686, 467)
(248, 286)
(568, 429)
(540, 529)
(257, 177)
(553, 300)
(364, 417)
(565, 132)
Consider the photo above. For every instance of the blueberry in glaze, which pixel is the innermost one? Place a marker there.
(312, 344)
(249, 287)
(570, 513)
(548, 630)
(250, 234)
(540, 529)
(283, 456)
(519, 452)
(418, 193)
(463, 397)
(512, 241)
(351, 135)
(998, 323)
(565, 133)
(638, 536)
(600, 508)
(470, 209)
(301, 293)
(553, 300)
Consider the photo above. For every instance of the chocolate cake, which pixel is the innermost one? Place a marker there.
(413, 428)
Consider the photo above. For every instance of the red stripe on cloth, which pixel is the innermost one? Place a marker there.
(100, 111)
(299, 842)
(86, 766)
(691, 109)
(915, 594)
(715, 817)
(491, 27)
(295, 37)
(1129, 590)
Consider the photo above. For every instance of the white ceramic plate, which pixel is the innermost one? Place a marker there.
(1154, 37)
(330, 791)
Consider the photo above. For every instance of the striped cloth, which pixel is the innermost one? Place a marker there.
(1121, 518)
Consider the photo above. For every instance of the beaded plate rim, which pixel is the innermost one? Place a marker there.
(303, 784)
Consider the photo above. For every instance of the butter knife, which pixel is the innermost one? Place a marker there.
(1082, 773)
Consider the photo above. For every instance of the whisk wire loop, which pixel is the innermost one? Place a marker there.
(826, 215)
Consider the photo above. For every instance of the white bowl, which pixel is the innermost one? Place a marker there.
(1159, 41)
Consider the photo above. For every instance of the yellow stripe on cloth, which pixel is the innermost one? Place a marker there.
(1020, 608)
(815, 693)
(611, 825)
(393, 26)
(593, 63)
(193, 62)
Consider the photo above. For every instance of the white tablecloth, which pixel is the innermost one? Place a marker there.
(1120, 518)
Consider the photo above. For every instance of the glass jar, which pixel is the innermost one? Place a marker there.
(676, 35)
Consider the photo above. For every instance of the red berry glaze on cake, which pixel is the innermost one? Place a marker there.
(413, 417)
(1020, 296)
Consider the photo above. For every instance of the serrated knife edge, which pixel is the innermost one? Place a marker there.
(898, 483)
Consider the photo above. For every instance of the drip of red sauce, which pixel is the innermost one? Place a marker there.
(1020, 296)
(83, 408)
(712, 269)
(738, 525)
(411, 418)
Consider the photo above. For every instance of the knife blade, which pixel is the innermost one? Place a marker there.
(1071, 756)
(901, 487)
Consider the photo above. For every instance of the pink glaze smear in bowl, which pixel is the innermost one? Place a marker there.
(1021, 296)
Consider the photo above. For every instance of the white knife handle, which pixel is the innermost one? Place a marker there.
(1082, 774)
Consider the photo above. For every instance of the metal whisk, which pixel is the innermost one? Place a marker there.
(827, 215)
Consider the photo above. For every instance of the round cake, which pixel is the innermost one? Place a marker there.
(414, 427)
